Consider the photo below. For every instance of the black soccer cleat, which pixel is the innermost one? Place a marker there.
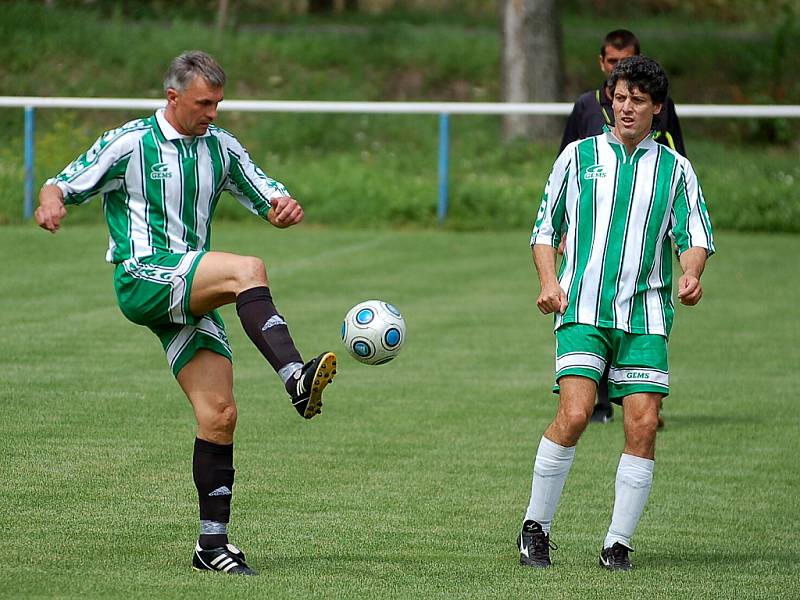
(616, 558)
(225, 559)
(534, 546)
(309, 383)
(602, 413)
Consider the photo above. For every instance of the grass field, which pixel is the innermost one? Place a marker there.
(413, 481)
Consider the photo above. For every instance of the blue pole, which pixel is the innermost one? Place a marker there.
(444, 149)
(29, 156)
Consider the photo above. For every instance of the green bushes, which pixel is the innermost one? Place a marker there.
(382, 169)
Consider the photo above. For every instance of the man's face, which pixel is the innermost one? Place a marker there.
(612, 57)
(633, 113)
(195, 108)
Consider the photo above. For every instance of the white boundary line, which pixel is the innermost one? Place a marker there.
(408, 108)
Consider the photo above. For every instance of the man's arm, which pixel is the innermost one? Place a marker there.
(551, 297)
(51, 208)
(256, 191)
(693, 262)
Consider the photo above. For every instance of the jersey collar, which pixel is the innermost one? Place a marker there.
(647, 143)
(169, 132)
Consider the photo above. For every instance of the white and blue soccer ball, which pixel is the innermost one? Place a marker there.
(373, 332)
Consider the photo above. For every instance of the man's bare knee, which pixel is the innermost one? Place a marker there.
(250, 272)
(642, 426)
(640, 434)
(575, 419)
(218, 426)
(226, 419)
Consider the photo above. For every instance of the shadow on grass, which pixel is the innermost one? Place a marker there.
(728, 559)
(706, 421)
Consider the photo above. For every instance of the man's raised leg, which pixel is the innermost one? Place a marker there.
(222, 278)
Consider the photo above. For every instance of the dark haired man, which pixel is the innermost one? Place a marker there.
(161, 178)
(593, 111)
(619, 200)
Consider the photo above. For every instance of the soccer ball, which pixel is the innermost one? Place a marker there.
(373, 332)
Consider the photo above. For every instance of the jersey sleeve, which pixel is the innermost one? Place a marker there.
(550, 220)
(248, 183)
(98, 170)
(689, 220)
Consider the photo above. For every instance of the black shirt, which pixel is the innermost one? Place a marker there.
(593, 110)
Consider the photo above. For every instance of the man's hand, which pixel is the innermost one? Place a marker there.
(693, 261)
(690, 290)
(552, 299)
(285, 212)
(51, 208)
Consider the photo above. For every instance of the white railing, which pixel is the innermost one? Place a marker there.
(443, 109)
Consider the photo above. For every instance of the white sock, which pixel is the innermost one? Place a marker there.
(550, 471)
(634, 480)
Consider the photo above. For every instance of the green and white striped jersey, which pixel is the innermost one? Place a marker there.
(618, 213)
(160, 188)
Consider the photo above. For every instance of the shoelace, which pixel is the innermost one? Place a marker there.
(619, 553)
(541, 542)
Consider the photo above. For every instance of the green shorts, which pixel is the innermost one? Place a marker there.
(636, 362)
(154, 291)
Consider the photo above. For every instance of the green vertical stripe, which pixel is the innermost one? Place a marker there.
(681, 209)
(668, 311)
(115, 207)
(665, 165)
(246, 187)
(189, 205)
(154, 192)
(220, 177)
(584, 235)
(615, 243)
(560, 207)
(217, 164)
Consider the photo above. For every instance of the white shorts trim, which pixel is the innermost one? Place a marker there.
(637, 376)
(584, 360)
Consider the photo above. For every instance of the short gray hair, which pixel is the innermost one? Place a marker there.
(184, 68)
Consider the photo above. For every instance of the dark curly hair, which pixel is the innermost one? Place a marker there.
(643, 73)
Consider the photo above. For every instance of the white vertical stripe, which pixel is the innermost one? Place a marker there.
(178, 343)
(604, 204)
(205, 194)
(173, 197)
(179, 291)
(636, 230)
(134, 180)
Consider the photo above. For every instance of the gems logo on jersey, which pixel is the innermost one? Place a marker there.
(160, 171)
(595, 172)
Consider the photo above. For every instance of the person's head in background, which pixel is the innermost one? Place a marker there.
(617, 45)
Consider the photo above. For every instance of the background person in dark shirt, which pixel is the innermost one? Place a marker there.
(592, 112)
(592, 109)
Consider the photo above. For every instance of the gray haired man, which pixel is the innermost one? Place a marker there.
(161, 178)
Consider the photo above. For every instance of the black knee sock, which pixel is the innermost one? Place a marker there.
(212, 467)
(266, 328)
